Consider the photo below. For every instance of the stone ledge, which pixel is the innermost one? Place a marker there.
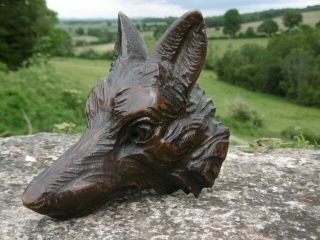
(270, 194)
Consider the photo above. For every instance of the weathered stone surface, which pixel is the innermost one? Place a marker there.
(271, 194)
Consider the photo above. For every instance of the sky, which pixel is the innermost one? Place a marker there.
(163, 8)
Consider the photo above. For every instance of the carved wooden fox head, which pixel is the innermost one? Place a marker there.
(149, 126)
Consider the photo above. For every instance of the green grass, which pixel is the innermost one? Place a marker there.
(72, 27)
(220, 46)
(106, 47)
(85, 38)
(81, 74)
(100, 48)
(277, 113)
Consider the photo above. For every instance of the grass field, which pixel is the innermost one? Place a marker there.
(276, 112)
(85, 38)
(309, 18)
(101, 48)
(220, 46)
(71, 27)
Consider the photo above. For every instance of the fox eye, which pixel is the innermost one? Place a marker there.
(141, 132)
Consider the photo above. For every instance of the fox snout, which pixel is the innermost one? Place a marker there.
(149, 126)
(61, 205)
(57, 190)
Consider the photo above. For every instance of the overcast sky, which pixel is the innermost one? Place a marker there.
(162, 8)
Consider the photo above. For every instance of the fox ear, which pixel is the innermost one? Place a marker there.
(185, 46)
(129, 43)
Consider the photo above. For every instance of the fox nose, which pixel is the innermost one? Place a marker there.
(32, 201)
(33, 197)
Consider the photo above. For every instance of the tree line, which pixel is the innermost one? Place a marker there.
(233, 20)
(27, 28)
(218, 21)
(288, 67)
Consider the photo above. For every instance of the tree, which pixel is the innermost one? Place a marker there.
(214, 21)
(104, 35)
(269, 27)
(22, 25)
(292, 19)
(250, 32)
(144, 27)
(232, 22)
(289, 66)
(80, 31)
(159, 31)
(57, 43)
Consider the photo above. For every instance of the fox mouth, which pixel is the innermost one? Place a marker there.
(34, 205)
(38, 205)
(62, 205)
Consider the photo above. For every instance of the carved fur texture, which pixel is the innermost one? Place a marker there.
(149, 126)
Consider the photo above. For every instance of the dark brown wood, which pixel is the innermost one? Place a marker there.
(149, 126)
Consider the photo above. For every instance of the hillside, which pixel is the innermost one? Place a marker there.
(309, 18)
(219, 46)
(83, 74)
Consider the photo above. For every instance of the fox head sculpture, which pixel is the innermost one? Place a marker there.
(149, 126)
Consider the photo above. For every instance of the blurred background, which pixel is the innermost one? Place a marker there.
(262, 68)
